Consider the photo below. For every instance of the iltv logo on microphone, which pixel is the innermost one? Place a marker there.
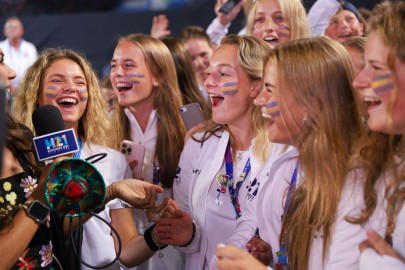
(56, 144)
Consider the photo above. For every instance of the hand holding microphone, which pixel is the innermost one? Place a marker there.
(74, 186)
(49, 126)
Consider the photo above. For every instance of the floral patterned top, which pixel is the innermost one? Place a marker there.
(14, 191)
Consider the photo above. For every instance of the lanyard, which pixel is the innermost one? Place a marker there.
(290, 191)
(77, 154)
(283, 253)
(234, 189)
(156, 172)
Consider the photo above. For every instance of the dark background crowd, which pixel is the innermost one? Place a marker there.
(93, 26)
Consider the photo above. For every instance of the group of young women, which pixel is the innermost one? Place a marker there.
(289, 171)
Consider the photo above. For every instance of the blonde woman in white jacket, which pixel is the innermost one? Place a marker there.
(219, 161)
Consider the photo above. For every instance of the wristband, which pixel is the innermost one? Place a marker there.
(148, 236)
(192, 236)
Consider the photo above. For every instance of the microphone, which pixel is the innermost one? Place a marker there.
(74, 187)
(52, 139)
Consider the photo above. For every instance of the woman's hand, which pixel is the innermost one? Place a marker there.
(164, 210)
(160, 26)
(377, 243)
(260, 249)
(139, 194)
(232, 258)
(224, 19)
(176, 230)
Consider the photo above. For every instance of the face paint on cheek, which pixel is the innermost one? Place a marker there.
(382, 83)
(51, 91)
(229, 88)
(283, 30)
(84, 95)
(273, 109)
(136, 78)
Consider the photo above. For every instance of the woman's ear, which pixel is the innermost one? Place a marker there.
(255, 88)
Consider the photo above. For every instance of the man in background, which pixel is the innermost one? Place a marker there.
(20, 54)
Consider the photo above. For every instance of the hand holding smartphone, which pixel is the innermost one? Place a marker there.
(134, 154)
(191, 115)
(228, 6)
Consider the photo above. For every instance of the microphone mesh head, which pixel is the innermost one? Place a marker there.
(47, 119)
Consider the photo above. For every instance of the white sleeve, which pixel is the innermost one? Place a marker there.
(32, 54)
(242, 32)
(182, 186)
(320, 14)
(117, 171)
(371, 260)
(246, 226)
(182, 183)
(345, 239)
(216, 31)
(243, 232)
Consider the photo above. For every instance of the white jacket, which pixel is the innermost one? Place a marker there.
(370, 259)
(264, 211)
(199, 164)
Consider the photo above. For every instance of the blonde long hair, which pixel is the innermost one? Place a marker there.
(328, 136)
(251, 52)
(385, 152)
(167, 102)
(94, 125)
(294, 13)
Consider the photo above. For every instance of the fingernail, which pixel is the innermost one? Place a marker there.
(370, 232)
(220, 245)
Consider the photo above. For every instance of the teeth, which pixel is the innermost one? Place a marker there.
(68, 100)
(214, 95)
(270, 39)
(266, 115)
(123, 85)
(369, 99)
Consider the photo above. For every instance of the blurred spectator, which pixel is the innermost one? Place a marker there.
(20, 54)
(186, 78)
(200, 48)
(356, 47)
(108, 92)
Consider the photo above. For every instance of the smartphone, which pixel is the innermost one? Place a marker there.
(134, 154)
(228, 6)
(191, 115)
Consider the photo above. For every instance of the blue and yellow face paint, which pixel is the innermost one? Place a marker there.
(229, 88)
(136, 78)
(382, 83)
(84, 95)
(273, 109)
(283, 31)
(51, 91)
